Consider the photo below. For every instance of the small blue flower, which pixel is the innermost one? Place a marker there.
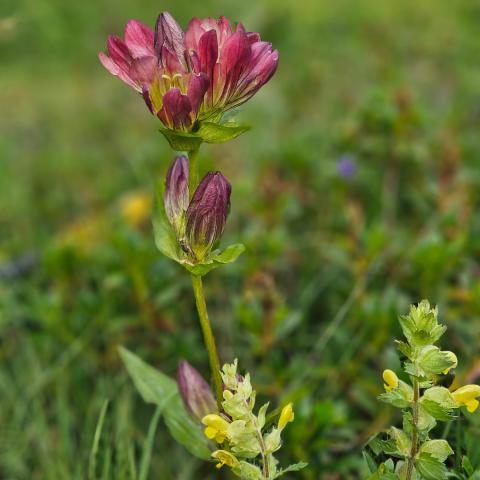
(346, 166)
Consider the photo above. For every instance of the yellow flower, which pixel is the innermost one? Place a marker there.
(286, 416)
(391, 380)
(216, 427)
(467, 396)
(451, 356)
(136, 208)
(224, 458)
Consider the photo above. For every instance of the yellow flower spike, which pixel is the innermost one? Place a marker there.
(224, 458)
(391, 380)
(451, 356)
(286, 416)
(467, 396)
(216, 427)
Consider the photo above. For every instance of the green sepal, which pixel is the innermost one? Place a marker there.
(431, 361)
(159, 389)
(215, 260)
(216, 133)
(430, 468)
(439, 403)
(181, 141)
(165, 238)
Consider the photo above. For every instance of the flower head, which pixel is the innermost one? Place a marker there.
(207, 213)
(176, 194)
(193, 76)
(467, 396)
(391, 380)
(224, 458)
(286, 416)
(215, 427)
(195, 391)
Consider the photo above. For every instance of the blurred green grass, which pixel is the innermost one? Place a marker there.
(311, 308)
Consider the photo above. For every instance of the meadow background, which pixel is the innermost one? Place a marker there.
(356, 193)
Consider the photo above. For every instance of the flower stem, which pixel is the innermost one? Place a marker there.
(414, 449)
(192, 171)
(208, 337)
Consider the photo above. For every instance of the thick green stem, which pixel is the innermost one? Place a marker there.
(208, 337)
(192, 171)
(414, 449)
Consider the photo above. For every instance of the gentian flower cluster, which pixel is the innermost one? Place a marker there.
(198, 223)
(189, 77)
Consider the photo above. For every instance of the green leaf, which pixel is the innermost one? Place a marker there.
(370, 461)
(439, 449)
(216, 259)
(430, 468)
(400, 397)
(165, 238)
(92, 464)
(181, 141)
(439, 403)
(216, 133)
(467, 466)
(159, 389)
(291, 468)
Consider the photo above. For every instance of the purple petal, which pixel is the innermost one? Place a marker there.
(169, 36)
(143, 70)
(207, 213)
(197, 87)
(176, 109)
(139, 39)
(176, 197)
(196, 394)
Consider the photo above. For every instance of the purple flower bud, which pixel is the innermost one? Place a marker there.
(176, 194)
(195, 392)
(207, 213)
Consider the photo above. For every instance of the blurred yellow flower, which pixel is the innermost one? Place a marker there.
(467, 396)
(391, 380)
(136, 208)
(216, 427)
(224, 458)
(286, 416)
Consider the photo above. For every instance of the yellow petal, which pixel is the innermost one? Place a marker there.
(472, 405)
(210, 433)
(391, 380)
(215, 421)
(466, 393)
(225, 458)
(286, 416)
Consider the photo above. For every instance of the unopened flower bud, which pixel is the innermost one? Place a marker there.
(207, 213)
(391, 380)
(195, 392)
(176, 194)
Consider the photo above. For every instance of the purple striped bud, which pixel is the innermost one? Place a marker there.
(176, 194)
(195, 392)
(207, 213)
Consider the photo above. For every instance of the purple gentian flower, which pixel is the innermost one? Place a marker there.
(192, 76)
